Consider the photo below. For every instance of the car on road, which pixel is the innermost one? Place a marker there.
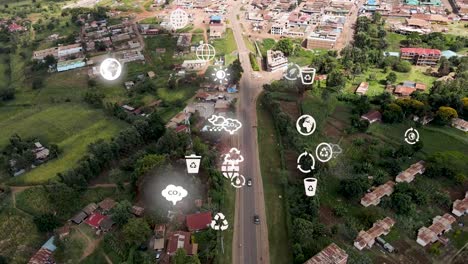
(249, 182)
(256, 219)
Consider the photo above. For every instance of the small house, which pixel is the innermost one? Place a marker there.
(107, 204)
(138, 211)
(372, 116)
(197, 222)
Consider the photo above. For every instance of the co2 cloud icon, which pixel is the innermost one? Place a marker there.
(174, 193)
(227, 124)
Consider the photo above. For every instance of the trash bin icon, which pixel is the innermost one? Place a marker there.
(193, 163)
(307, 75)
(310, 185)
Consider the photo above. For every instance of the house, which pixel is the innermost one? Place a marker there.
(372, 116)
(79, 217)
(367, 238)
(276, 60)
(409, 174)
(63, 231)
(65, 51)
(197, 222)
(373, 198)
(440, 225)
(460, 124)
(424, 120)
(95, 220)
(420, 56)
(13, 27)
(41, 54)
(45, 254)
(106, 224)
(107, 204)
(133, 44)
(362, 88)
(217, 30)
(90, 208)
(138, 211)
(184, 40)
(181, 239)
(193, 65)
(322, 39)
(182, 129)
(329, 255)
(40, 152)
(408, 87)
(460, 207)
(70, 64)
(159, 232)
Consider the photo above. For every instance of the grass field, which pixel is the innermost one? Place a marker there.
(377, 85)
(394, 40)
(273, 189)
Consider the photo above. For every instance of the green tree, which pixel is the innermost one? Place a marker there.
(336, 80)
(136, 231)
(46, 222)
(353, 188)
(445, 114)
(391, 77)
(392, 113)
(149, 162)
(121, 212)
(285, 45)
(402, 66)
(402, 203)
(444, 68)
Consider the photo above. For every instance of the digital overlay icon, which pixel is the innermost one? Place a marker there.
(219, 222)
(193, 163)
(310, 185)
(307, 75)
(205, 52)
(221, 75)
(174, 193)
(306, 125)
(324, 152)
(229, 125)
(110, 69)
(301, 160)
(293, 72)
(178, 19)
(411, 136)
(230, 167)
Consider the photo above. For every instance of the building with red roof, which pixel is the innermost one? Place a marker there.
(181, 239)
(372, 116)
(197, 222)
(95, 219)
(329, 255)
(421, 56)
(13, 27)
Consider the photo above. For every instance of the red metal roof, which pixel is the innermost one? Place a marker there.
(95, 219)
(181, 239)
(198, 221)
(420, 51)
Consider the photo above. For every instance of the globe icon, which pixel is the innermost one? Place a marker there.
(110, 69)
(205, 52)
(179, 19)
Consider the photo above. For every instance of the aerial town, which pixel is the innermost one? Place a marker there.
(234, 131)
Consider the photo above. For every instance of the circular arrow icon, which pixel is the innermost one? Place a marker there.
(305, 154)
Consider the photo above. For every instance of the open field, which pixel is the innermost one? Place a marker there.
(273, 189)
(377, 82)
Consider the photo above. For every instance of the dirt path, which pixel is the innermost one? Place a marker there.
(92, 244)
(109, 261)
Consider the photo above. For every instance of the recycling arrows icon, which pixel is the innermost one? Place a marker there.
(219, 222)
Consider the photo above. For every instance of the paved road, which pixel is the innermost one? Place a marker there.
(250, 241)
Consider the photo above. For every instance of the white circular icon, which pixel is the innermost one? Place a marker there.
(221, 75)
(110, 69)
(205, 52)
(411, 136)
(238, 181)
(305, 154)
(179, 19)
(324, 152)
(305, 125)
(293, 72)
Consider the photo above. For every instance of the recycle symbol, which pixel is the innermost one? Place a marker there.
(193, 165)
(310, 188)
(307, 77)
(219, 222)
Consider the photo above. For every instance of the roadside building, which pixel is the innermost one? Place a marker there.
(217, 30)
(460, 207)
(197, 222)
(107, 204)
(45, 254)
(68, 50)
(70, 64)
(41, 54)
(181, 239)
(409, 174)
(440, 225)
(193, 65)
(420, 56)
(329, 255)
(373, 198)
(322, 39)
(276, 60)
(95, 220)
(366, 239)
(460, 124)
(372, 116)
(362, 88)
